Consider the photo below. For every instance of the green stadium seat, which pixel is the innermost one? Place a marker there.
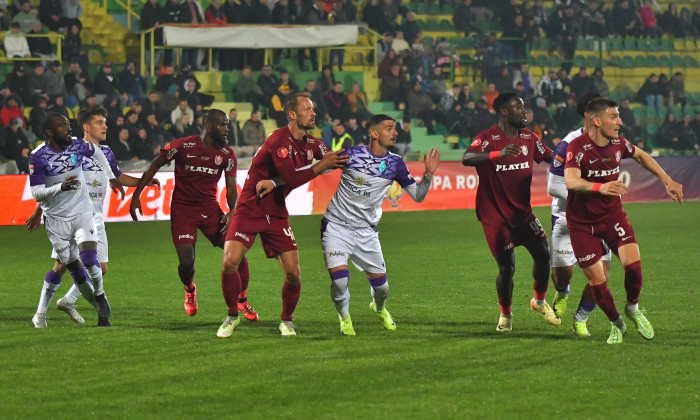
(446, 25)
(664, 61)
(428, 41)
(434, 9)
(640, 61)
(581, 44)
(689, 61)
(422, 25)
(662, 111)
(629, 44)
(616, 61)
(677, 61)
(447, 9)
(628, 61)
(616, 45)
(542, 60)
(642, 44)
(666, 45)
(593, 61)
(651, 112)
(433, 24)
(653, 61)
(654, 44)
(677, 112)
(421, 8)
(638, 113)
(579, 61)
(652, 129)
(545, 44)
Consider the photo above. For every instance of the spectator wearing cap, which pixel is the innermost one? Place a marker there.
(196, 99)
(16, 45)
(73, 46)
(420, 105)
(57, 84)
(184, 74)
(132, 83)
(107, 84)
(277, 105)
(16, 82)
(26, 17)
(111, 105)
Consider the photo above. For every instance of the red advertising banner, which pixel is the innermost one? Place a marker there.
(453, 187)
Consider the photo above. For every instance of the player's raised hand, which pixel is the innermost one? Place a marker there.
(613, 188)
(431, 160)
(510, 150)
(70, 183)
(135, 205)
(675, 191)
(334, 160)
(264, 187)
(117, 187)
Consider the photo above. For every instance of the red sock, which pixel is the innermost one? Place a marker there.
(290, 297)
(186, 279)
(231, 286)
(244, 272)
(505, 309)
(633, 281)
(540, 290)
(605, 300)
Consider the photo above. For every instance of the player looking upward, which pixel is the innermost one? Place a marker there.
(594, 211)
(503, 156)
(199, 162)
(57, 183)
(563, 259)
(288, 154)
(349, 226)
(93, 119)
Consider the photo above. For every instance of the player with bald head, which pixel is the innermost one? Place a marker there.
(200, 160)
(503, 156)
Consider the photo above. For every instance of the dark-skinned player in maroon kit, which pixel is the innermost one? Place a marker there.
(286, 156)
(594, 211)
(504, 157)
(199, 162)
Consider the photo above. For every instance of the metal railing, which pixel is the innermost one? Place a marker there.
(51, 35)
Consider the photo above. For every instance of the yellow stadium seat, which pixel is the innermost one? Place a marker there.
(27, 111)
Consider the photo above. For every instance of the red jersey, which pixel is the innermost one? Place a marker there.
(280, 156)
(597, 164)
(503, 194)
(198, 170)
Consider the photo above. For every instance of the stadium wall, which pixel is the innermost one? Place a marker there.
(453, 187)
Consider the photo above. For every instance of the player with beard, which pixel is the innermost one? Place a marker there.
(199, 162)
(503, 156)
(594, 211)
(57, 183)
(93, 119)
(288, 155)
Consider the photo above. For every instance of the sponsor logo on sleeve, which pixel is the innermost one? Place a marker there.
(171, 153)
(189, 144)
(556, 163)
(569, 156)
(230, 165)
(476, 143)
(540, 146)
(629, 147)
(282, 152)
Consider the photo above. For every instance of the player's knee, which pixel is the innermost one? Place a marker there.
(293, 276)
(506, 271)
(89, 258)
(230, 265)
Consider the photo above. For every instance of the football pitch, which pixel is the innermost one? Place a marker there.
(445, 360)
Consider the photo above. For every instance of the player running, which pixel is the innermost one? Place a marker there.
(288, 154)
(563, 259)
(199, 162)
(349, 226)
(93, 119)
(57, 183)
(503, 156)
(594, 211)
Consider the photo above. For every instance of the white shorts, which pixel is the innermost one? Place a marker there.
(562, 252)
(65, 235)
(102, 244)
(361, 245)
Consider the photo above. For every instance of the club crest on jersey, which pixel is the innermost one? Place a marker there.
(282, 152)
(31, 169)
(524, 149)
(617, 156)
(73, 158)
(382, 167)
(556, 163)
(218, 159)
(309, 155)
(579, 157)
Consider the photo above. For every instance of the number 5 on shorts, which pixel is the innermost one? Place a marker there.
(620, 231)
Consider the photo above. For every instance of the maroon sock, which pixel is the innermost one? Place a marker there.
(505, 308)
(186, 278)
(290, 297)
(633, 281)
(244, 272)
(539, 289)
(231, 286)
(605, 300)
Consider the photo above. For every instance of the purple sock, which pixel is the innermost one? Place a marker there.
(587, 305)
(53, 277)
(79, 276)
(379, 281)
(340, 274)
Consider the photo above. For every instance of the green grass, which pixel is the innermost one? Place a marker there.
(445, 360)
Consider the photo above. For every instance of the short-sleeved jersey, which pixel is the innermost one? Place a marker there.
(556, 168)
(197, 171)
(503, 194)
(363, 185)
(96, 181)
(597, 164)
(280, 155)
(49, 167)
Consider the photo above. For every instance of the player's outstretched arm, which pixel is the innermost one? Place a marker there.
(431, 161)
(673, 189)
(146, 179)
(574, 182)
(472, 158)
(331, 160)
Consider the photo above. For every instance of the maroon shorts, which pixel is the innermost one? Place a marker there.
(503, 239)
(585, 239)
(275, 233)
(184, 225)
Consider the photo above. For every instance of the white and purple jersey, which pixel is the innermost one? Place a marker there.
(49, 167)
(363, 185)
(556, 186)
(96, 180)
